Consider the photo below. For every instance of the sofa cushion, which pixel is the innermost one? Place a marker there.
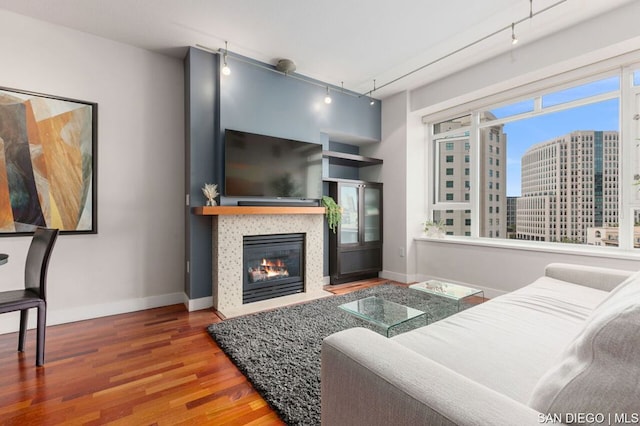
(509, 342)
(599, 372)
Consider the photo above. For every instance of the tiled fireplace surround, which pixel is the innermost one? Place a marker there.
(227, 239)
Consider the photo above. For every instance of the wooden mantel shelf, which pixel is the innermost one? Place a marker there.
(246, 210)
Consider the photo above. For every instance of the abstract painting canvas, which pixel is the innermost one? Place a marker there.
(47, 163)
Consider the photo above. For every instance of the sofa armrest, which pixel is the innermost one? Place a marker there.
(590, 276)
(367, 379)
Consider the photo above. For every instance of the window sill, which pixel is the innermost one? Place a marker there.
(573, 249)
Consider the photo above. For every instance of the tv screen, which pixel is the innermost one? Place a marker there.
(266, 166)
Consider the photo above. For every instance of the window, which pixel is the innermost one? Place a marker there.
(449, 146)
(569, 164)
(510, 110)
(449, 172)
(449, 158)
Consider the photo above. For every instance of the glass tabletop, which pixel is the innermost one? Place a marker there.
(381, 312)
(445, 289)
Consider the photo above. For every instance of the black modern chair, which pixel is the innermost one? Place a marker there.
(34, 294)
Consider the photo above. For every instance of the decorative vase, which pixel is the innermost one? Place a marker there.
(210, 203)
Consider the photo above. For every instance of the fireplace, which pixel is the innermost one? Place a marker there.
(273, 266)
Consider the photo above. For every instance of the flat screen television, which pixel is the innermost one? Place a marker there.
(271, 167)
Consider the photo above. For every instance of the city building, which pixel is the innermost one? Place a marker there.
(608, 237)
(454, 179)
(512, 214)
(569, 184)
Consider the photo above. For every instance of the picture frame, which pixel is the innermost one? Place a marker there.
(48, 163)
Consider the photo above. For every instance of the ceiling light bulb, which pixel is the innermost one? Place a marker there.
(514, 39)
(327, 99)
(372, 102)
(225, 68)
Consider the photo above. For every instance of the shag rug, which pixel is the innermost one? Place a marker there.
(279, 350)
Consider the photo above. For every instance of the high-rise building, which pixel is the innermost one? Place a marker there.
(454, 180)
(512, 214)
(569, 184)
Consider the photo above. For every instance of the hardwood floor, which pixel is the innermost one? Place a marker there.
(153, 367)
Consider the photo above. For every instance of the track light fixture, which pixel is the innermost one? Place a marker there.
(225, 68)
(327, 98)
(514, 39)
(371, 101)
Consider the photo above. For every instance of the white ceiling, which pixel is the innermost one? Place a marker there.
(333, 41)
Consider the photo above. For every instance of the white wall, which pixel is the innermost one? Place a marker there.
(403, 175)
(494, 268)
(393, 149)
(136, 259)
(604, 37)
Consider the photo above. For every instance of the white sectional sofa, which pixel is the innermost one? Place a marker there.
(565, 348)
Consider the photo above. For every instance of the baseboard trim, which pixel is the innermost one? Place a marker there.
(395, 276)
(197, 304)
(63, 316)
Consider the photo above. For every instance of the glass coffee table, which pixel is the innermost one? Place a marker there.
(455, 292)
(383, 313)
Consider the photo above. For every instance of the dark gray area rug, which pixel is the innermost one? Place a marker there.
(279, 350)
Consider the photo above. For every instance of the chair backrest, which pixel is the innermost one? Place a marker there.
(35, 271)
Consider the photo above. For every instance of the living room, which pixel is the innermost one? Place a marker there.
(137, 259)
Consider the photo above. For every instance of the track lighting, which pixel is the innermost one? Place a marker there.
(225, 68)
(514, 39)
(327, 98)
(371, 101)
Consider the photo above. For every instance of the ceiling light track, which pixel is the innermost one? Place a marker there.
(514, 40)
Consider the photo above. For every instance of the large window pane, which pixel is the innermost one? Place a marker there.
(561, 175)
(452, 169)
(456, 222)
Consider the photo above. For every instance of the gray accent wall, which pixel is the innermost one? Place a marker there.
(257, 100)
(201, 128)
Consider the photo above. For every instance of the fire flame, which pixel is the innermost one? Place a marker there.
(274, 268)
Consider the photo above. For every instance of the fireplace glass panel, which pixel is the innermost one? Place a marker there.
(273, 266)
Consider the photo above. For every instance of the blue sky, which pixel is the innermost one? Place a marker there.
(522, 134)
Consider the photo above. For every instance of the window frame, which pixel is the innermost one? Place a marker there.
(628, 133)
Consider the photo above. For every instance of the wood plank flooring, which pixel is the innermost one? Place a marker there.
(153, 367)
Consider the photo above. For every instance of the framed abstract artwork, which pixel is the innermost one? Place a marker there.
(47, 163)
